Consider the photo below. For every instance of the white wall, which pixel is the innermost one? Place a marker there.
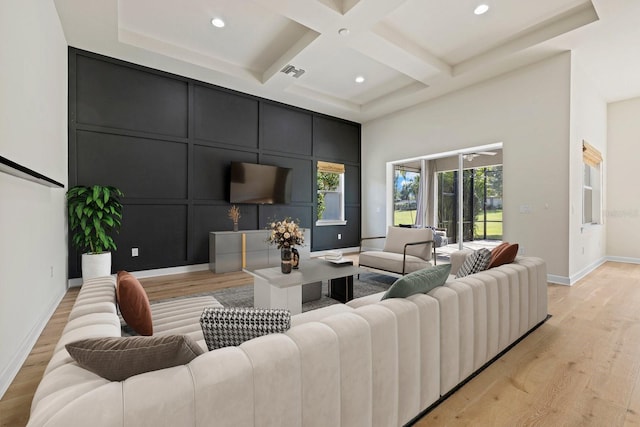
(528, 110)
(33, 132)
(623, 192)
(587, 244)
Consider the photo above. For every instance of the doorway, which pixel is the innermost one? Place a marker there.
(458, 192)
(481, 203)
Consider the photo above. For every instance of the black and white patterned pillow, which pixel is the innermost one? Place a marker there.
(224, 327)
(475, 262)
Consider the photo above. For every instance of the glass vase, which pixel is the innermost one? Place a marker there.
(285, 260)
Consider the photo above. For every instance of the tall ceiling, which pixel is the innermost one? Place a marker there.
(408, 51)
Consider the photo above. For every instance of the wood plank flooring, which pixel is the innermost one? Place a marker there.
(581, 368)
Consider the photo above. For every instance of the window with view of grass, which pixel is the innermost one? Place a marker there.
(482, 203)
(406, 190)
(330, 193)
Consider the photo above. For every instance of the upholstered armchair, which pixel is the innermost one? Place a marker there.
(405, 250)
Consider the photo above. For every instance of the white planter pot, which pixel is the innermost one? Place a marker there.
(96, 265)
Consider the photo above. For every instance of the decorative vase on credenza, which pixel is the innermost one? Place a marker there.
(285, 260)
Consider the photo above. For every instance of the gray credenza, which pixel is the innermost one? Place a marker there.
(226, 250)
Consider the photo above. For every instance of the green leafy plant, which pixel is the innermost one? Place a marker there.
(94, 213)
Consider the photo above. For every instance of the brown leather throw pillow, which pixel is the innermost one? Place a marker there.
(134, 303)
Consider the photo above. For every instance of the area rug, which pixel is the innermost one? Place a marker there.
(242, 296)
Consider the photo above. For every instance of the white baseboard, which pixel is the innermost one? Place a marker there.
(574, 278)
(10, 371)
(626, 260)
(588, 269)
(153, 273)
(558, 280)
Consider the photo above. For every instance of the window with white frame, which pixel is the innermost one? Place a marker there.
(591, 185)
(330, 185)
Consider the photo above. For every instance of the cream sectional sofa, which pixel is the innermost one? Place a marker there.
(366, 363)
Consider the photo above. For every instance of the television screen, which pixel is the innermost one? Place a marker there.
(261, 184)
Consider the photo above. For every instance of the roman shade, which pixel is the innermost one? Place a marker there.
(330, 167)
(590, 154)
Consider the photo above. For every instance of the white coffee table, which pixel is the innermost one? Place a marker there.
(272, 289)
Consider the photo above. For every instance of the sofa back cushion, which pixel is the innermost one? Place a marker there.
(397, 237)
(421, 281)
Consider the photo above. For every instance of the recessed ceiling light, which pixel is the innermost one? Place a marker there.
(359, 79)
(483, 8)
(217, 22)
(343, 31)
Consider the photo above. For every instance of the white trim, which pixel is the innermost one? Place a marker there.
(626, 260)
(558, 280)
(486, 147)
(8, 374)
(155, 272)
(574, 278)
(327, 222)
(588, 269)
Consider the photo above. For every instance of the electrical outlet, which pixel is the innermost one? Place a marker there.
(134, 252)
(339, 236)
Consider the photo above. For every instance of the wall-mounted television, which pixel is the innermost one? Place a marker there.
(259, 184)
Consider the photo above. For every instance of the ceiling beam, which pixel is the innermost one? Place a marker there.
(558, 25)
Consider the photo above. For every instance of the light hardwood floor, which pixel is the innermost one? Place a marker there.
(580, 368)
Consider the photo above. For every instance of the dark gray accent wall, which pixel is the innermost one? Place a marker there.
(167, 142)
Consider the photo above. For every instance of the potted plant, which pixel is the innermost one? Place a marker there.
(94, 213)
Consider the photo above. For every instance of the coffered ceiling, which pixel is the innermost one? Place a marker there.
(407, 51)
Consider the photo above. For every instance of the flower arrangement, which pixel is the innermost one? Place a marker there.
(286, 234)
(234, 214)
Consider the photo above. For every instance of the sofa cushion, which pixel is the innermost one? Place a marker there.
(421, 281)
(475, 262)
(118, 358)
(391, 261)
(134, 303)
(224, 327)
(506, 254)
(397, 237)
(496, 251)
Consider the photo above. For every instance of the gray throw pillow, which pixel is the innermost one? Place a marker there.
(475, 262)
(118, 358)
(421, 281)
(225, 327)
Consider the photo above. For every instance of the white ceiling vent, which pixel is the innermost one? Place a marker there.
(289, 69)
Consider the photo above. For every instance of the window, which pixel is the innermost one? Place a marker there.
(481, 200)
(330, 182)
(406, 191)
(591, 185)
